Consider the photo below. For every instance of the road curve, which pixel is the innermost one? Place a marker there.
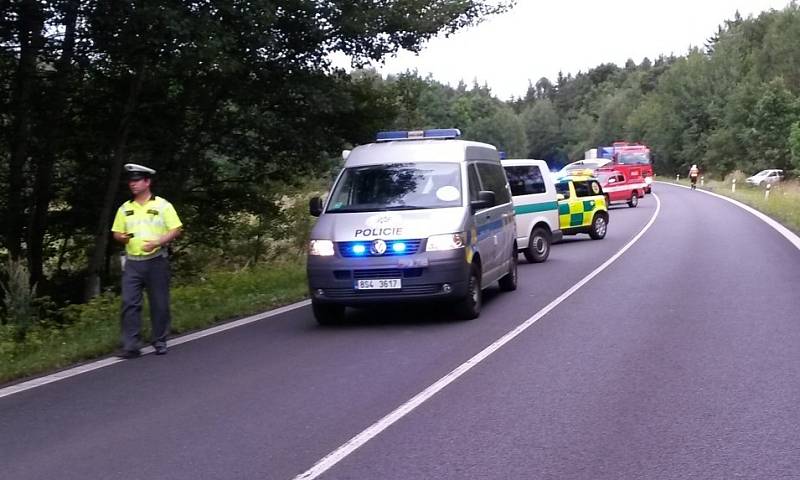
(679, 360)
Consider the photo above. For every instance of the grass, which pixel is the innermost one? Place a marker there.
(783, 203)
(92, 329)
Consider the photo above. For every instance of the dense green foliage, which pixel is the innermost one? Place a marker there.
(734, 105)
(233, 102)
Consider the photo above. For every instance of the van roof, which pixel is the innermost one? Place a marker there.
(521, 161)
(413, 151)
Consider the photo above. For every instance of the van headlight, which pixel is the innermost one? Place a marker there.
(320, 248)
(450, 241)
(648, 180)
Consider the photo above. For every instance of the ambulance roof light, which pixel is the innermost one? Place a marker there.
(438, 133)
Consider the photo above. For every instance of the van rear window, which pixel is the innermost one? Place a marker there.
(525, 180)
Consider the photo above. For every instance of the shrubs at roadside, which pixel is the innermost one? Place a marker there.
(91, 330)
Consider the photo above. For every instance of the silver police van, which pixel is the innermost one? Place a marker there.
(415, 216)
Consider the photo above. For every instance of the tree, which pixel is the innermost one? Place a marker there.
(771, 122)
(543, 131)
(503, 129)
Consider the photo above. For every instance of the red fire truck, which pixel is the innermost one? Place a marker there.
(620, 186)
(633, 160)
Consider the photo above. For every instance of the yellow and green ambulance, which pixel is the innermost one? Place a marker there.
(581, 206)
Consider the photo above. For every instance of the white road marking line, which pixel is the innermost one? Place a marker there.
(55, 377)
(376, 428)
(788, 234)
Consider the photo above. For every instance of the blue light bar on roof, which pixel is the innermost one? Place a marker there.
(502, 154)
(418, 134)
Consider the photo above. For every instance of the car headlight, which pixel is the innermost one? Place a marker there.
(648, 180)
(450, 241)
(320, 248)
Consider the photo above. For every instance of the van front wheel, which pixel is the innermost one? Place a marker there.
(469, 307)
(327, 313)
(538, 246)
(509, 282)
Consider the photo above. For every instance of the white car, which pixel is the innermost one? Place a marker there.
(765, 177)
(535, 206)
(588, 163)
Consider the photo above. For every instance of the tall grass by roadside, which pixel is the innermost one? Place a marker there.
(92, 329)
(783, 203)
(19, 297)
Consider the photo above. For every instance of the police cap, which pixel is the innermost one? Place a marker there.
(136, 171)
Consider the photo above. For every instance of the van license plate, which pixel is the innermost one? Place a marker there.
(379, 284)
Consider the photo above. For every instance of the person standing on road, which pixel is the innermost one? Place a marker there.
(693, 174)
(145, 225)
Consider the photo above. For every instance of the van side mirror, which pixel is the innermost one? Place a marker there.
(560, 196)
(486, 199)
(315, 206)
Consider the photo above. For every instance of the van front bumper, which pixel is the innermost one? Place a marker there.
(426, 276)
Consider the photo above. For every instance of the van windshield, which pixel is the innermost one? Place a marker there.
(398, 186)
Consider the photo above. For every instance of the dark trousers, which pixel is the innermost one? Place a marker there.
(151, 275)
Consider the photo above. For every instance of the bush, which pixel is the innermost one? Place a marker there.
(91, 330)
(19, 297)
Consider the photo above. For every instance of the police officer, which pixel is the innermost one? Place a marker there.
(145, 225)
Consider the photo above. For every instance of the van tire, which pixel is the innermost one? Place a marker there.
(538, 254)
(328, 313)
(509, 282)
(634, 201)
(599, 226)
(469, 307)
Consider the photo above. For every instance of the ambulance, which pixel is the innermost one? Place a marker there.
(581, 206)
(535, 207)
(416, 216)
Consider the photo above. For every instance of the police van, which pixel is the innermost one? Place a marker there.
(415, 216)
(535, 205)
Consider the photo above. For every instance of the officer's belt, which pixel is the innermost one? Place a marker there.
(137, 258)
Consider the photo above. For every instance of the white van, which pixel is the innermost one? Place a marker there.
(415, 216)
(535, 207)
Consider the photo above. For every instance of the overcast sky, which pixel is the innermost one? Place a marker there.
(540, 38)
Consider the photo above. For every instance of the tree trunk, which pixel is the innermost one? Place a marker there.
(31, 23)
(53, 142)
(117, 160)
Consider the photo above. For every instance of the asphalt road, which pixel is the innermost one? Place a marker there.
(680, 360)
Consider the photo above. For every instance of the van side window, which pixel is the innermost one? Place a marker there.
(494, 179)
(525, 180)
(587, 188)
(474, 182)
(563, 189)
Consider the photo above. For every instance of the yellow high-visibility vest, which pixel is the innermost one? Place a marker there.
(146, 222)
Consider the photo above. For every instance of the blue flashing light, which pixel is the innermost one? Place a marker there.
(399, 247)
(394, 135)
(605, 152)
(359, 249)
(502, 154)
(418, 134)
(442, 133)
